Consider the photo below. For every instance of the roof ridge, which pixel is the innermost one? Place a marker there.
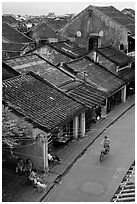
(41, 22)
(19, 32)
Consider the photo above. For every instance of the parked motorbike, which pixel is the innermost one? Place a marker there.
(54, 159)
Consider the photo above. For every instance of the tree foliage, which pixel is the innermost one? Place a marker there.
(13, 130)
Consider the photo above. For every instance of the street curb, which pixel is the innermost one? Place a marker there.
(57, 180)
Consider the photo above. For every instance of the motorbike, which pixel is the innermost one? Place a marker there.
(55, 159)
(104, 153)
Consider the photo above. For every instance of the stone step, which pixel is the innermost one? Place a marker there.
(128, 190)
(125, 200)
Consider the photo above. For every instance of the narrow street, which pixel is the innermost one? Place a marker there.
(89, 180)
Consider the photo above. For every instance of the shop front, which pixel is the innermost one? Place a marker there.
(114, 100)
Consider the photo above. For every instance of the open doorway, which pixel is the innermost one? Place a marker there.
(93, 43)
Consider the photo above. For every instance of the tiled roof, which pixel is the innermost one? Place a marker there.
(85, 93)
(8, 72)
(115, 56)
(40, 101)
(129, 12)
(43, 30)
(39, 66)
(13, 47)
(52, 54)
(8, 19)
(71, 49)
(119, 17)
(97, 74)
(127, 74)
(57, 23)
(14, 35)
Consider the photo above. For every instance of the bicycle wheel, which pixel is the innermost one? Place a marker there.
(101, 156)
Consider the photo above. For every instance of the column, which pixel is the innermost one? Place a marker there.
(45, 152)
(75, 127)
(123, 93)
(104, 110)
(82, 124)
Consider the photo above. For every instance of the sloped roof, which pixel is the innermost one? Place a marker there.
(129, 12)
(97, 74)
(71, 49)
(13, 47)
(119, 17)
(40, 101)
(9, 19)
(14, 35)
(57, 23)
(52, 54)
(8, 72)
(45, 30)
(85, 93)
(127, 74)
(40, 66)
(115, 55)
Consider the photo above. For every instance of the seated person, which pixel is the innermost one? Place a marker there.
(28, 166)
(20, 166)
(33, 177)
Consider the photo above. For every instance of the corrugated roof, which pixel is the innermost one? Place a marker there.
(119, 17)
(96, 74)
(14, 35)
(39, 66)
(115, 56)
(40, 101)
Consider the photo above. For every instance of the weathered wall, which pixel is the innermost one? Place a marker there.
(104, 62)
(95, 23)
(32, 147)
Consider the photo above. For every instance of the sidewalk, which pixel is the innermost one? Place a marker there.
(15, 188)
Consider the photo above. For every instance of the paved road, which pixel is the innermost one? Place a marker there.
(89, 180)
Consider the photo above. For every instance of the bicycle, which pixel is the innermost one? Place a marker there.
(104, 152)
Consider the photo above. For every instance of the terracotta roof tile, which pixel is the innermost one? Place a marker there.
(115, 56)
(96, 74)
(40, 101)
(14, 35)
(70, 49)
(9, 19)
(85, 93)
(52, 54)
(127, 74)
(41, 67)
(12, 47)
(119, 17)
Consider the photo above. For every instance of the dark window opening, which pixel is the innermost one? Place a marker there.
(121, 47)
(131, 44)
(90, 13)
(93, 43)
